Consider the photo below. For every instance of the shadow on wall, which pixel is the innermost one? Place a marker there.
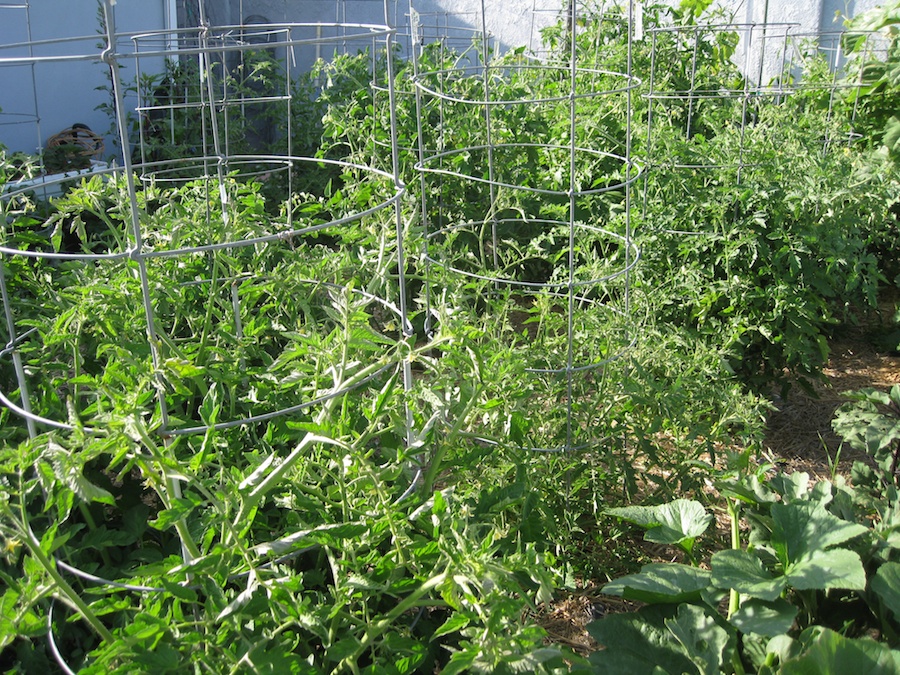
(511, 24)
(833, 14)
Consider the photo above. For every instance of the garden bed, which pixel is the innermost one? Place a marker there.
(799, 438)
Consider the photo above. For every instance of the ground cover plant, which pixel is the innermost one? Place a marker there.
(399, 519)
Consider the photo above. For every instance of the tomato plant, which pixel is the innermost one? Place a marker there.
(247, 457)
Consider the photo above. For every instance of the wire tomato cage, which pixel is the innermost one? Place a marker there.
(156, 186)
(707, 78)
(526, 175)
(183, 290)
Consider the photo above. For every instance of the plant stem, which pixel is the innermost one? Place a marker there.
(165, 488)
(435, 464)
(70, 596)
(894, 463)
(68, 593)
(210, 304)
(412, 600)
(260, 486)
(734, 598)
(734, 514)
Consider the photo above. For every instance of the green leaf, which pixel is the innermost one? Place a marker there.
(661, 583)
(704, 641)
(439, 504)
(891, 137)
(791, 487)
(146, 627)
(778, 649)
(102, 537)
(8, 609)
(886, 584)
(743, 571)
(182, 368)
(362, 583)
(765, 618)
(407, 653)
(240, 601)
(749, 490)
(822, 570)
(210, 407)
(272, 657)
(328, 534)
(456, 622)
(694, 7)
(179, 510)
(160, 659)
(460, 662)
(800, 528)
(865, 427)
(68, 470)
(638, 643)
(829, 653)
(679, 522)
(645, 516)
(179, 591)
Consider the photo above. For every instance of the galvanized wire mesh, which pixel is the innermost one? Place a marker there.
(241, 131)
(200, 352)
(534, 165)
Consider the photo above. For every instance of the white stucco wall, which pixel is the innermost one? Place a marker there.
(66, 90)
(66, 86)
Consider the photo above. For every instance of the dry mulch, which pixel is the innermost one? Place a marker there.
(566, 620)
(799, 430)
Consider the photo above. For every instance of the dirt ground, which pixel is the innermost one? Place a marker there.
(799, 430)
(799, 436)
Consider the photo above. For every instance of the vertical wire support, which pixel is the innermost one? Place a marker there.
(629, 56)
(141, 118)
(782, 68)
(789, 66)
(629, 111)
(407, 330)
(136, 254)
(18, 366)
(570, 289)
(856, 98)
(423, 150)
(745, 101)
(762, 48)
(489, 141)
(692, 89)
(17, 357)
(648, 159)
(206, 73)
(236, 310)
(831, 96)
(289, 91)
(26, 6)
(416, 51)
(442, 122)
(33, 66)
(205, 102)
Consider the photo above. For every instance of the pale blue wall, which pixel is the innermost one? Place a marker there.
(66, 86)
(66, 91)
